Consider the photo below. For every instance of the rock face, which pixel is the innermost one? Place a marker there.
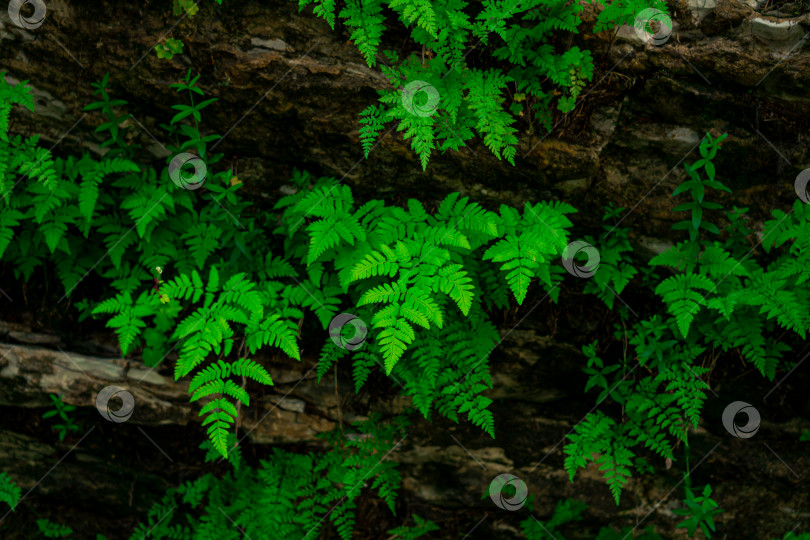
(123, 467)
(290, 90)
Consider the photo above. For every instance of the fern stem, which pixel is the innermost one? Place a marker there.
(687, 478)
(242, 353)
(337, 400)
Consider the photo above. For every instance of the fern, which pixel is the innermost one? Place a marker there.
(423, 270)
(9, 491)
(366, 20)
(424, 278)
(49, 529)
(208, 329)
(594, 436)
(682, 299)
(472, 100)
(129, 316)
(530, 242)
(615, 267)
(288, 495)
(421, 528)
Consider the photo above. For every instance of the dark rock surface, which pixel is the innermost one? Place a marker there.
(290, 90)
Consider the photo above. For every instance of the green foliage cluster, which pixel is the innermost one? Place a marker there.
(700, 511)
(522, 42)
(62, 409)
(239, 282)
(49, 529)
(169, 49)
(290, 495)
(528, 65)
(432, 274)
(9, 491)
(716, 286)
